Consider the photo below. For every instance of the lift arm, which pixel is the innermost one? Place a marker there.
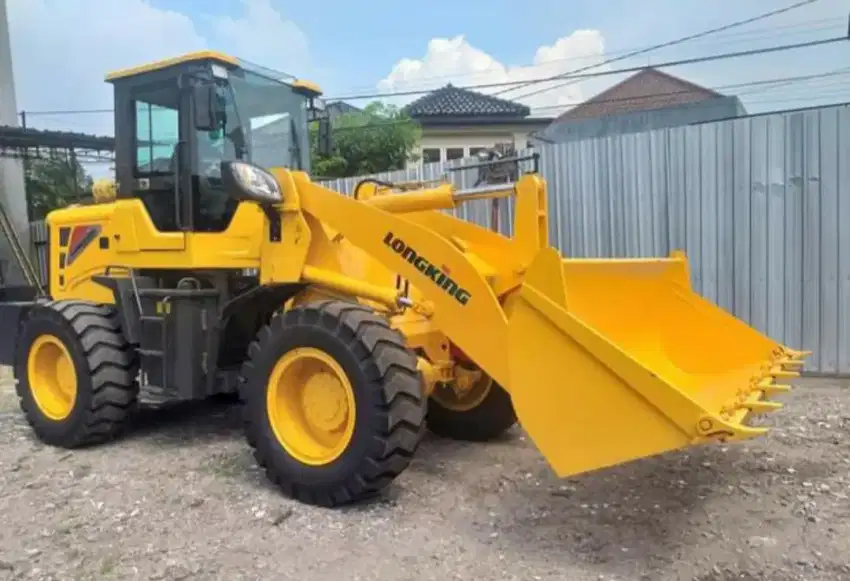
(460, 300)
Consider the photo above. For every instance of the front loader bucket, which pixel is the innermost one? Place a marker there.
(614, 360)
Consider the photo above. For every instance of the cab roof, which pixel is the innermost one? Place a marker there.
(300, 85)
(200, 55)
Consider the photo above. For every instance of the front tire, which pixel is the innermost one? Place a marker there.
(483, 413)
(333, 402)
(76, 373)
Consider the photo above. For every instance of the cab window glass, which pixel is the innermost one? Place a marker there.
(157, 134)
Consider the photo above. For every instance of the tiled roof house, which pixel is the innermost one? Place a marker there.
(458, 123)
(450, 104)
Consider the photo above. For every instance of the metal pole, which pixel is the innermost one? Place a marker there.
(12, 185)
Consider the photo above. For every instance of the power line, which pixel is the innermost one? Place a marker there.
(784, 82)
(835, 97)
(672, 63)
(667, 44)
(804, 26)
(764, 84)
(573, 74)
(826, 24)
(800, 94)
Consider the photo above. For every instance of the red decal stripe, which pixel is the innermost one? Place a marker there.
(77, 235)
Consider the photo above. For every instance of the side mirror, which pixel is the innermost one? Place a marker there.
(324, 146)
(208, 111)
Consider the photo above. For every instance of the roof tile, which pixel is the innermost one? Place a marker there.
(451, 101)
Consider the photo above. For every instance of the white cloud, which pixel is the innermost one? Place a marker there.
(457, 61)
(264, 36)
(62, 49)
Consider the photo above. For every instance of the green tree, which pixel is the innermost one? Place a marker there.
(54, 182)
(379, 138)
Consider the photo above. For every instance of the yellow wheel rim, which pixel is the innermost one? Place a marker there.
(52, 377)
(462, 400)
(310, 405)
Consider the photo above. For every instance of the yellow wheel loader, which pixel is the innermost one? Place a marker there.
(349, 325)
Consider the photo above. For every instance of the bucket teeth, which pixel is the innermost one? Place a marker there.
(795, 354)
(762, 407)
(753, 399)
(770, 388)
(778, 371)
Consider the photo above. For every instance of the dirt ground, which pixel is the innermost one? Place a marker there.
(180, 498)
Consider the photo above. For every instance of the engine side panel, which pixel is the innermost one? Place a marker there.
(107, 239)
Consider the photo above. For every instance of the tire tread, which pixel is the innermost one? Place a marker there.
(111, 363)
(391, 369)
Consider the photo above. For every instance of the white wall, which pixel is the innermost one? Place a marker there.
(467, 137)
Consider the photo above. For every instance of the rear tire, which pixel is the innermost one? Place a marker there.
(76, 373)
(367, 436)
(487, 417)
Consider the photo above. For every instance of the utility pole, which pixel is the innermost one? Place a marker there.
(12, 185)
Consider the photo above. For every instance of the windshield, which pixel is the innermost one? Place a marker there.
(265, 124)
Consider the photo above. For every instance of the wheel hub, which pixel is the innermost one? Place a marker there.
(52, 377)
(324, 402)
(310, 404)
(469, 389)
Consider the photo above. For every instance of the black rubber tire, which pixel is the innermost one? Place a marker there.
(486, 421)
(390, 405)
(105, 365)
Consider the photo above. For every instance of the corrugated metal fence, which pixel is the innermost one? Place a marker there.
(758, 204)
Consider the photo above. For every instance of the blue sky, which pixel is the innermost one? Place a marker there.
(62, 48)
(361, 41)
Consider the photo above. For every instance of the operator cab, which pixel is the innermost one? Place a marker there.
(177, 120)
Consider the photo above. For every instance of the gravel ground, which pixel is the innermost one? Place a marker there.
(180, 498)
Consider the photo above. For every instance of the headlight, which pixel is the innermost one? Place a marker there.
(252, 182)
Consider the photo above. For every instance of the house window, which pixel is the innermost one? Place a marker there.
(454, 153)
(473, 151)
(430, 154)
(506, 148)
